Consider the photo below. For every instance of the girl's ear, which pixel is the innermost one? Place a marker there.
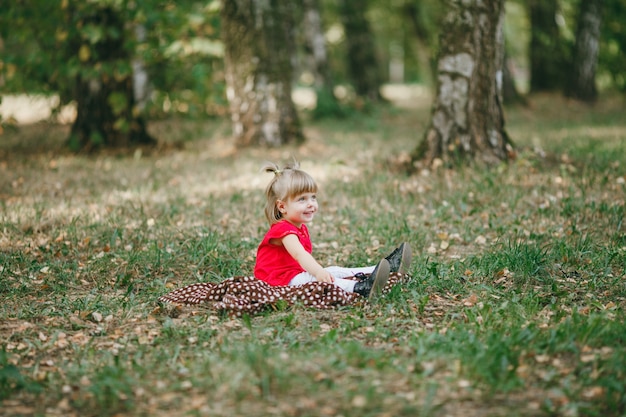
(280, 205)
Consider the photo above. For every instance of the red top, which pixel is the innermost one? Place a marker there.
(274, 264)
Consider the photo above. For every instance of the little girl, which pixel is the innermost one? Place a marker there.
(284, 256)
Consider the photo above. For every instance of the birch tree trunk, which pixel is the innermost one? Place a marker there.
(141, 80)
(315, 44)
(586, 51)
(258, 46)
(467, 120)
(317, 61)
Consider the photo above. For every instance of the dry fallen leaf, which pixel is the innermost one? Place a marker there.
(470, 301)
(359, 401)
(593, 393)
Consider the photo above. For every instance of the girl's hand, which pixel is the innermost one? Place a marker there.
(305, 259)
(325, 277)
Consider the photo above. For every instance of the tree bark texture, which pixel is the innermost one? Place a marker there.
(467, 118)
(141, 80)
(315, 45)
(106, 114)
(316, 61)
(510, 93)
(258, 43)
(546, 51)
(363, 67)
(586, 51)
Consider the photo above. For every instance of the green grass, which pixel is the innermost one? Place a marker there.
(515, 306)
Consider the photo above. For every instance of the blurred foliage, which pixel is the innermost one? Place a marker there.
(48, 44)
(182, 52)
(613, 48)
(405, 29)
(328, 107)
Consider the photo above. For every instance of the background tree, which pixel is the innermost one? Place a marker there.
(582, 83)
(547, 47)
(258, 58)
(80, 51)
(424, 21)
(510, 92)
(50, 50)
(141, 79)
(106, 114)
(467, 115)
(612, 58)
(316, 59)
(85, 55)
(363, 67)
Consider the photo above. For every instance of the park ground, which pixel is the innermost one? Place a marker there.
(515, 306)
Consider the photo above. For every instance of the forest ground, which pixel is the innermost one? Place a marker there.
(515, 306)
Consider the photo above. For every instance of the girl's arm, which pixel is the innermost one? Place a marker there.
(305, 259)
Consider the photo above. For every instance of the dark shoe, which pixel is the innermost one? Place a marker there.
(374, 284)
(360, 276)
(400, 259)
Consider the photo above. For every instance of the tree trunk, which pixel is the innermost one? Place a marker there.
(1, 73)
(363, 68)
(106, 115)
(467, 118)
(317, 61)
(546, 48)
(315, 45)
(141, 80)
(583, 81)
(510, 93)
(258, 44)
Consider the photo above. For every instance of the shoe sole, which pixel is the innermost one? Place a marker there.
(407, 256)
(380, 279)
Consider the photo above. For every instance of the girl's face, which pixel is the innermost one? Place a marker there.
(299, 209)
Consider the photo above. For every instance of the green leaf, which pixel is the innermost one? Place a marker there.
(96, 138)
(93, 33)
(121, 125)
(118, 102)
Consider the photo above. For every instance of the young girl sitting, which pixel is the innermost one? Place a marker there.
(284, 256)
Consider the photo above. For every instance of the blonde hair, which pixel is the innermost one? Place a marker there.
(287, 183)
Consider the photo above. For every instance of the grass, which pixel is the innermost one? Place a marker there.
(515, 306)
